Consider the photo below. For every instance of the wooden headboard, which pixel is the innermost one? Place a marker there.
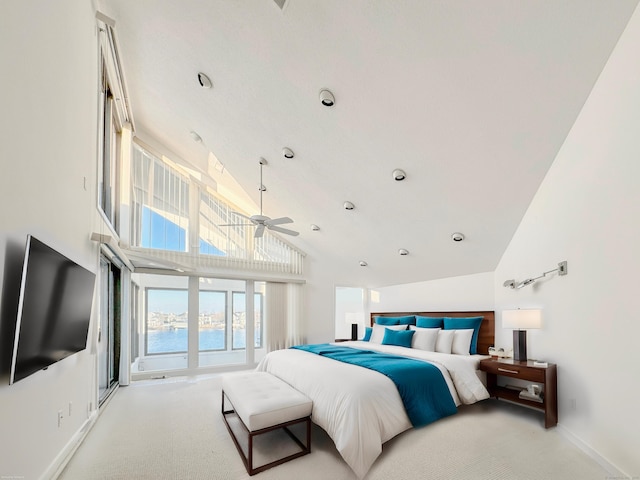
(486, 336)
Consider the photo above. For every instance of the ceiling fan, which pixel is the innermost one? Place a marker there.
(261, 221)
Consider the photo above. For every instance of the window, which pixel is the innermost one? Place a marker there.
(239, 324)
(177, 218)
(160, 214)
(109, 168)
(114, 115)
(221, 240)
(166, 321)
(135, 311)
(350, 308)
(212, 322)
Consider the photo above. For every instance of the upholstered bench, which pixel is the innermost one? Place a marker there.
(265, 403)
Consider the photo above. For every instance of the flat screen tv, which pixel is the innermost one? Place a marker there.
(54, 310)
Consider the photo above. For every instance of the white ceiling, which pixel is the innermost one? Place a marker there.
(472, 99)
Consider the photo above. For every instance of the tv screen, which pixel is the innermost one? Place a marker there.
(54, 310)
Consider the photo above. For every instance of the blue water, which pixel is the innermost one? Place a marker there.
(173, 341)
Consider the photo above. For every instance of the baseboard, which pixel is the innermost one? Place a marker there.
(614, 471)
(69, 449)
(65, 455)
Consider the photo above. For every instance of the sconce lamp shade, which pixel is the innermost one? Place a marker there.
(521, 319)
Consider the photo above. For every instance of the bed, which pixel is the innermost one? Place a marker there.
(361, 408)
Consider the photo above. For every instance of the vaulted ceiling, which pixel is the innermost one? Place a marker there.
(471, 99)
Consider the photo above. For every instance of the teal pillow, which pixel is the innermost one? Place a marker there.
(401, 338)
(367, 334)
(429, 322)
(465, 323)
(407, 320)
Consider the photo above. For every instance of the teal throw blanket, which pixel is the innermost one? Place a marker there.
(421, 385)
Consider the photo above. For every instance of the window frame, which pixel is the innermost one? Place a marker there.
(226, 321)
(113, 114)
(261, 303)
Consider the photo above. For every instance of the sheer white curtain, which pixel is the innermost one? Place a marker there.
(284, 325)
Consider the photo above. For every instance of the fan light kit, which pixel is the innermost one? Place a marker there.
(399, 175)
(261, 221)
(327, 98)
(403, 251)
(205, 82)
(287, 152)
(349, 206)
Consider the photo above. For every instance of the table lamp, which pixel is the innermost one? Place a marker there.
(520, 320)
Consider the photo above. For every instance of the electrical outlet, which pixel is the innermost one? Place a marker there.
(60, 417)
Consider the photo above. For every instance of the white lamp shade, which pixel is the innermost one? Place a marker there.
(354, 317)
(521, 319)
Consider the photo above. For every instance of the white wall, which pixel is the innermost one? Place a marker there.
(468, 292)
(48, 53)
(587, 212)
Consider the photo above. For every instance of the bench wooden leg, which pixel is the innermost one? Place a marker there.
(248, 459)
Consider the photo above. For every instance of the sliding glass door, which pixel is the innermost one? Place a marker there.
(109, 327)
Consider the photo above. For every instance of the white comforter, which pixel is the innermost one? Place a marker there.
(359, 408)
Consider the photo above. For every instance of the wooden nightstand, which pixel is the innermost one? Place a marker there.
(545, 376)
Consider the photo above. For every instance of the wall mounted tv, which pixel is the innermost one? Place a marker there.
(54, 310)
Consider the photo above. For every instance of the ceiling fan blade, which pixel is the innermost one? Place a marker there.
(279, 221)
(259, 231)
(283, 230)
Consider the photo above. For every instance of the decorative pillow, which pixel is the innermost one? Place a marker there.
(424, 338)
(401, 338)
(429, 322)
(444, 341)
(461, 341)
(407, 320)
(378, 331)
(464, 323)
(367, 334)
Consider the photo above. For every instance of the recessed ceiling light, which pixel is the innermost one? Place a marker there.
(349, 206)
(287, 152)
(204, 81)
(327, 98)
(315, 227)
(363, 263)
(457, 237)
(195, 136)
(399, 175)
(403, 251)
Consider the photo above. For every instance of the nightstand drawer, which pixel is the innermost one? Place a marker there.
(516, 371)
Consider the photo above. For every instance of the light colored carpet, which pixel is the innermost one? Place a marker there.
(173, 429)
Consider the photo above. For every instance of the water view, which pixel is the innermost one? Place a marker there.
(175, 340)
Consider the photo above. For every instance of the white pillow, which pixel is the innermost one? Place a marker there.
(424, 338)
(461, 341)
(444, 341)
(378, 331)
